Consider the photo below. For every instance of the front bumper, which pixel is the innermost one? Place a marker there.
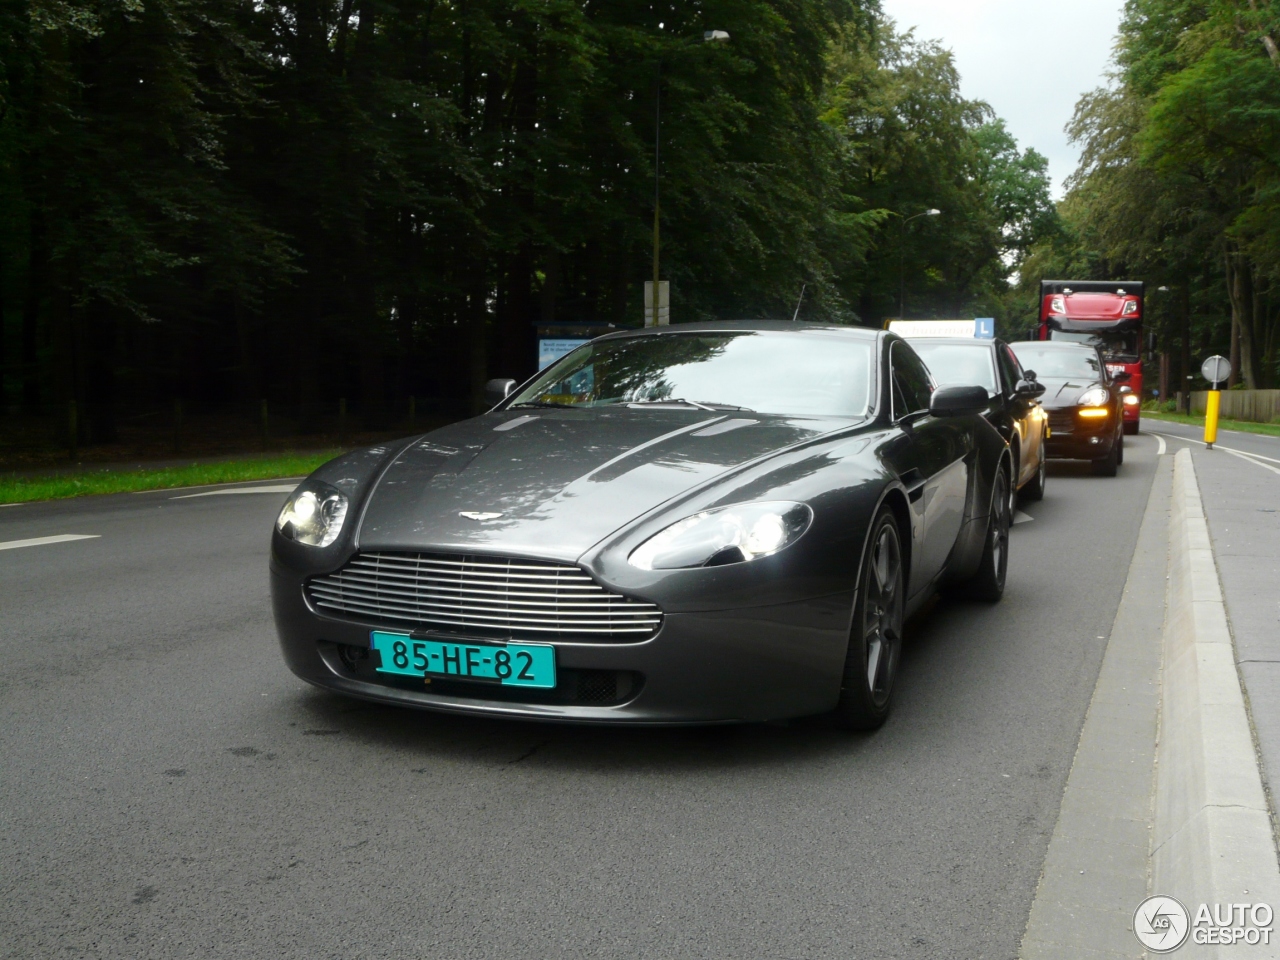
(746, 664)
(1072, 437)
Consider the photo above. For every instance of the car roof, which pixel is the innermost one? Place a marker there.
(1054, 345)
(749, 326)
(957, 341)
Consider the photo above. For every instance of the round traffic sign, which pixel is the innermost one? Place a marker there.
(1216, 369)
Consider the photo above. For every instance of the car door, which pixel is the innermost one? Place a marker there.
(929, 456)
(1028, 423)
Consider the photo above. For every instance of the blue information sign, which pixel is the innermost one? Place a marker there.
(552, 349)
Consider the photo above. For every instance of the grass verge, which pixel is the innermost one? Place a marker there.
(24, 489)
(1244, 426)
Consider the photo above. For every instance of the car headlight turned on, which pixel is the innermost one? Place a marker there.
(313, 514)
(1131, 400)
(1094, 397)
(1092, 403)
(732, 534)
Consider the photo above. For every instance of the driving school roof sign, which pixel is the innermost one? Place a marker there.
(981, 328)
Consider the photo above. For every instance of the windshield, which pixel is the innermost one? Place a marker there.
(1058, 361)
(767, 372)
(957, 364)
(1112, 343)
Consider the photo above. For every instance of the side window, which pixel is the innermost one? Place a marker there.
(1010, 369)
(912, 386)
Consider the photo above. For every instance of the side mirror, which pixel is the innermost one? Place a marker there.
(1122, 377)
(958, 401)
(1124, 390)
(1029, 389)
(495, 391)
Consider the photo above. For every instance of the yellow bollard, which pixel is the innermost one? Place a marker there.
(1211, 418)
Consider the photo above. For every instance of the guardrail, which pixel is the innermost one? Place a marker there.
(1259, 406)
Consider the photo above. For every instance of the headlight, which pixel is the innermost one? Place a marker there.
(1094, 397)
(1130, 308)
(1131, 400)
(313, 514)
(744, 531)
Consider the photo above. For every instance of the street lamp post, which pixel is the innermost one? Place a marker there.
(902, 260)
(708, 36)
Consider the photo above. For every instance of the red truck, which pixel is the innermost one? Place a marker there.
(1102, 313)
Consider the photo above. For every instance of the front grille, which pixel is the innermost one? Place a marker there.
(492, 596)
(1061, 422)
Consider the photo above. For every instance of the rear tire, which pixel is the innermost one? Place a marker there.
(1034, 489)
(875, 641)
(988, 583)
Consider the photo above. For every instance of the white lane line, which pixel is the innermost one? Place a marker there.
(1254, 458)
(10, 504)
(198, 486)
(1020, 517)
(41, 541)
(274, 488)
(1249, 458)
(1160, 445)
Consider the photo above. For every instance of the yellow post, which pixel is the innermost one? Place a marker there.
(1211, 418)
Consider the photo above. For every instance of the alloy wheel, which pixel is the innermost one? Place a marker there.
(882, 614)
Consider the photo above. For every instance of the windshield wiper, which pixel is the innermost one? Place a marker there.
(539, 403)
(700, 404)
(715, 405)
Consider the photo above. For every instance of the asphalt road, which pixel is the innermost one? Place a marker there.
(168, 789)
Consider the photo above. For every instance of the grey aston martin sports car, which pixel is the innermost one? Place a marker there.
(703, 523)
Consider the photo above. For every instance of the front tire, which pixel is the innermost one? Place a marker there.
(1120, 448)
(988, 583)
(1131, 427)
(875, 642)
(1106, 466)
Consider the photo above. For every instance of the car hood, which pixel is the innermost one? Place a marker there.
(559, 481)
(1064, 392)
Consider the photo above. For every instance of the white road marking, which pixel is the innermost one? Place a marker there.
(1160, 445)
(198, 486)
(1020, 517)
(10, 504)
(41, 541)
(1250, 458)
(273, 488)
(1254, 458)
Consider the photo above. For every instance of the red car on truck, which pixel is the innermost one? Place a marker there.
(1102, 313)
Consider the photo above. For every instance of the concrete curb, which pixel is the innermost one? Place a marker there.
(1211, 839)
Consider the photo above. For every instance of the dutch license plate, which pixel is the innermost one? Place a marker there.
(511, 664)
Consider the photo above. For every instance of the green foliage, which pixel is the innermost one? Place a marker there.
(61, 486)
(1179, 180)
(313, 199)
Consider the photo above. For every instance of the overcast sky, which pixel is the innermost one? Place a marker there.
(1029, 59)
